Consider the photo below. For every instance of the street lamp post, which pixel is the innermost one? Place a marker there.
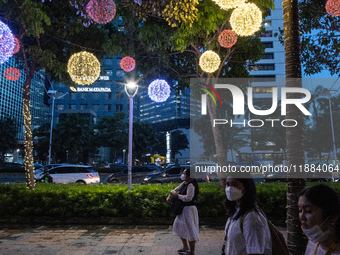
(326, 92)
(124, 156)
(133, 91)
(52, 93)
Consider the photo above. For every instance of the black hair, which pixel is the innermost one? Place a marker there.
(327, 199)
(248, 200)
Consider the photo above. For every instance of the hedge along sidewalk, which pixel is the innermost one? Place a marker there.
(114, 203)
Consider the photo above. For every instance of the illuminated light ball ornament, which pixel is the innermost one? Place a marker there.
(12, 74)
(6, 43)
(333, 7)
(209, 61)
(246, 19)
(229, 4)
(159, 91)
(227, 38)
(16, 45)
(84, 68)
(127, 64)
(101, 11)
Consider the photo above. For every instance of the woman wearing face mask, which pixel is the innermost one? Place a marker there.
(186, 224)
(319, 210)
(254, 237)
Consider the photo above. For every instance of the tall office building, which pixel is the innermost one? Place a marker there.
(11, 103)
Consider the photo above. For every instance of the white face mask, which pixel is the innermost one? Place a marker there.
(315, 234)
(233, 193)
(183, 177)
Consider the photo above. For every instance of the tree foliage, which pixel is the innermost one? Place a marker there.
(320, 38)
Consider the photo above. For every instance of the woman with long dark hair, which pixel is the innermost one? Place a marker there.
(186, 225)
(247, 230)
(319, 211)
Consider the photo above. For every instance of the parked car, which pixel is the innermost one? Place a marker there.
(12, 167)
(138, 174)
(71, 174)
(171, 174)
(116, 167)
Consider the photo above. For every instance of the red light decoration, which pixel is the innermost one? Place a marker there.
(12, 74)
(101, 11)
(16, 45)
(127, 64)
(227, 38)
(333, 7)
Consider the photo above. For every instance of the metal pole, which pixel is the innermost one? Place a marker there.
(334, 148)
(50, 145)
(130, 144)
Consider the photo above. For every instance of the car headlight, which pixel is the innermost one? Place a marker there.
(147, 179)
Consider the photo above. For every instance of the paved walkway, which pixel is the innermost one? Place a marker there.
(103, 240)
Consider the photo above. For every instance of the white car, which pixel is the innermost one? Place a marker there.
(72, 174)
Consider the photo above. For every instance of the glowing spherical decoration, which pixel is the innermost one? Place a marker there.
(101, 11)
(333, 7)
(16, 45)
(229, 4)
(227, 38)
(6, 43)
(159, 90)
(12, 74)
(246, 19)
(209, 61)
(127, 64)
(84, 68)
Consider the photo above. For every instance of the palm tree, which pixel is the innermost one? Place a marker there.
(295, 136)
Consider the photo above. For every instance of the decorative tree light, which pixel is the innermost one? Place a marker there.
(6, 43)
(246, 19)
(229, 4)
(227, 38)
(16, 45)
(127, 64)
(159, 90)
(333, 7)
(12, 74)
(209, 61)
(101, 11)
(84, 68)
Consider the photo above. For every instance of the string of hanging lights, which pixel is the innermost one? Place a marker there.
(84, 68)
(246, 19)
(209, 61)
(101, 11)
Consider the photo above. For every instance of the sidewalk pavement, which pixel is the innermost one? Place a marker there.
(96, 240)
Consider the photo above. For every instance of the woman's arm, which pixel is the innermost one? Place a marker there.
(190, 194)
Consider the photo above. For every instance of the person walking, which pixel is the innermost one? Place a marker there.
(319, 211)
(186, 225)
(246, 231)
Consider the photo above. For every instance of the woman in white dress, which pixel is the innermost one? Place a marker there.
(186, 225)
(319, 211)
(247, 231)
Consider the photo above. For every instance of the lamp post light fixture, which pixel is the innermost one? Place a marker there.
(54, 95)
(131, 90)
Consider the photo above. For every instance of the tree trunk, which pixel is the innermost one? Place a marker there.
(295, 136)
(29, 169)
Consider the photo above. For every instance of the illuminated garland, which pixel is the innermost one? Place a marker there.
(209, 61)
(180, 11)
(227, 38)
(333, 7)
(159, 90)
(16, 45)
(229, 4)
(246, 19)
(6, 43)
(84, 68)
(101, 11)
(127, 64)
(12, 74)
